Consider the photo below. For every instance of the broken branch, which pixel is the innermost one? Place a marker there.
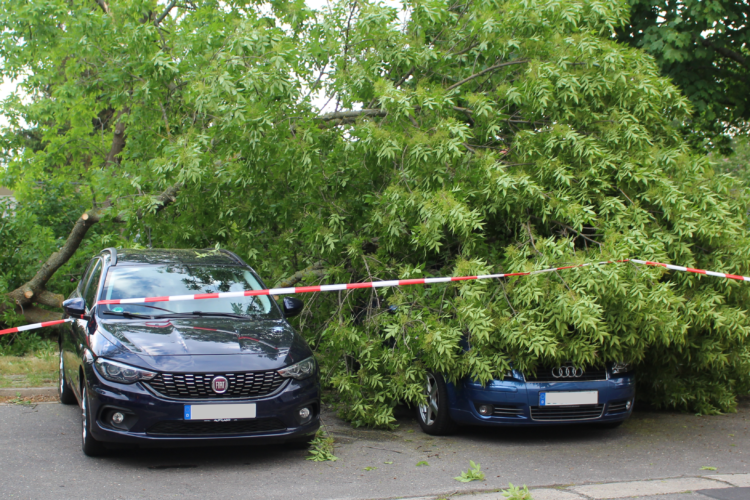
(485, 71)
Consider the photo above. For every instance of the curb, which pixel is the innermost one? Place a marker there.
(622, 489)
(28, 392)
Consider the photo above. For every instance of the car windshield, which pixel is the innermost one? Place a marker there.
(155, 281)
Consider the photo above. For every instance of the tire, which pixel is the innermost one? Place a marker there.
(90, 446)
(67, 397)
(433, 417)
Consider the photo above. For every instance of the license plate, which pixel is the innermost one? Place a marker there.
(568, 398)
(214, 412)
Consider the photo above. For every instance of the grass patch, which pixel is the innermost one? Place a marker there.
(32, 370)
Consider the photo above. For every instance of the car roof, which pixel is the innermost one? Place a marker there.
(154, 256)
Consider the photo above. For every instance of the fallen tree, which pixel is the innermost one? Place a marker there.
(466, 138)
(34, 291)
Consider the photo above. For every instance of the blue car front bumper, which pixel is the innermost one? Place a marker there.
(516, 402)
(150, 419)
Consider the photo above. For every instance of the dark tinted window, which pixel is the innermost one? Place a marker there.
(127, 282)
(93, 284)
(86, 276)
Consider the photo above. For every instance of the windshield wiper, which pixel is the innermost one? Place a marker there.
(125, 314)
(204, 314)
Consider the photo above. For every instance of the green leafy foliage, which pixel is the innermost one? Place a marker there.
(498, 136)
(29, 232)
(321, 448)
(738, 163)
(18, 344)
(516, 493)
(703, 48)
(473, 474)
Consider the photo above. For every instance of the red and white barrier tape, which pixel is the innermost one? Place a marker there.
(330, 288)
(34, 326)
(689, 269)
(368, 284)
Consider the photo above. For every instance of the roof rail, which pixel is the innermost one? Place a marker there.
(113, 252)
(233, 256)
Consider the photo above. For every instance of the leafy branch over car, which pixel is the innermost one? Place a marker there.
(466, 138)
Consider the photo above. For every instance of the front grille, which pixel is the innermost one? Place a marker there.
(198, 386)
(545, 375)
(617, 407)
(561, 413)
(507, 411)
(211, 428)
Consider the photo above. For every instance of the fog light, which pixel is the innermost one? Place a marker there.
(486, 410)
(117, 417)
(628, 405)
(304, 413)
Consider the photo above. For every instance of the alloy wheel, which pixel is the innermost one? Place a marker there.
(62, 377)
(429, 412)
(83, 413)
(90, 446)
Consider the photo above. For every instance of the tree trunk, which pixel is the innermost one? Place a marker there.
(34, 291)
(313, 270)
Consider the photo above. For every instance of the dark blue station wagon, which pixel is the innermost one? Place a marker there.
(206, 371)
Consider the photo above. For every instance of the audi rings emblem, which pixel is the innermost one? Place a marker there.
(567, 372)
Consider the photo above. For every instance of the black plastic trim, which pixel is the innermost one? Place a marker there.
(233, 256)
(566, 413)
(156, 393)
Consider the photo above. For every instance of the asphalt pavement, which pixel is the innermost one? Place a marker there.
(41, 458)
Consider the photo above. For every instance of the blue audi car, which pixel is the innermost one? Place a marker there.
(189, 372)
(564, 394)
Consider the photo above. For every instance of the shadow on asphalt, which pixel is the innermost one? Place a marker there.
(408, 430)
(194, 457)
(644, 423)
(558, 434)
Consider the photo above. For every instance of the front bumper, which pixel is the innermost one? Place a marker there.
(151, 419)
(516, 403)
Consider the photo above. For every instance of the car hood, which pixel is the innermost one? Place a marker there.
(202, 336)
(200, 344)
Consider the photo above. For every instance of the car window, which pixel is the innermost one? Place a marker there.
(86, 276)
(93, 284)
(125, 282)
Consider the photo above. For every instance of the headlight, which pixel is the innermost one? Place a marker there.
(300, 370)
(119, 372)
(620, 368)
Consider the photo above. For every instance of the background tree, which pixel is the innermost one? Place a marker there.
(461, 138)
(704, 47)
(738, 163)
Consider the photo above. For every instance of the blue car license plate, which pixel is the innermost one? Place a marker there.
(214, 412)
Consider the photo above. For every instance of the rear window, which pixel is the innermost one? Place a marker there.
(129, 282)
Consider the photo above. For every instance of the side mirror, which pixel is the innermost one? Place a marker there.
(292, 306)
(75, 308)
